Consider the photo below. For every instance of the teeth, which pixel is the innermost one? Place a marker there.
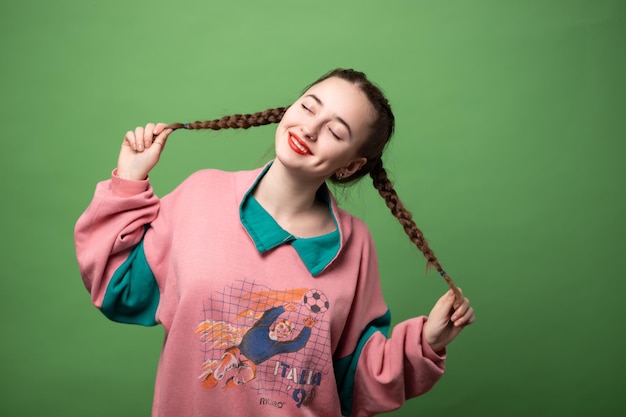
(298, 145)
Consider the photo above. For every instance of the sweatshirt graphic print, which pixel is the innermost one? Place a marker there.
(269, 340)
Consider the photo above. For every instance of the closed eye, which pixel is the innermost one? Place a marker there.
(306, 108)
(334, 134)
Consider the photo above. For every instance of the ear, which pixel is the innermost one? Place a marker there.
(352, 167)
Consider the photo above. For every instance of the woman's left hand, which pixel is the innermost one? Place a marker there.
(446, 320)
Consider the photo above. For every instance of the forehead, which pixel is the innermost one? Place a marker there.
(345, 100)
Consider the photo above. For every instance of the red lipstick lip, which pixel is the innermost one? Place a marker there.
(293, 139)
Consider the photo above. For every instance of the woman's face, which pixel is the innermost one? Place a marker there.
(322, 132)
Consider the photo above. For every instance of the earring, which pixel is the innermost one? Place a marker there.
(340, 176)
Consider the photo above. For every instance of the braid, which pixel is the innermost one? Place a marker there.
(236, 121)
(388, 193)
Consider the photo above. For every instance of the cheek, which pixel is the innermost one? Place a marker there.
(340, 151)
(288, 117)
(283, 125)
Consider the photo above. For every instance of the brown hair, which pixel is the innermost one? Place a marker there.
(381, 131)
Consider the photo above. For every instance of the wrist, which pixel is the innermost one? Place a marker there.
(128, 175)
(437, 348)
(432, 339)
(126, 187)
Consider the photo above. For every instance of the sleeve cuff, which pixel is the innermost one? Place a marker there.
(126, 188)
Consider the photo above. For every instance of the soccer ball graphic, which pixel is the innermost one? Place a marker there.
(316, 301)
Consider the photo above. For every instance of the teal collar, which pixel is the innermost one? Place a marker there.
(316, 252)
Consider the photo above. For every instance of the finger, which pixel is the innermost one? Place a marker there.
(465, 319)
(129, 140)
(458, 296)
(447, 300)
(460, 310)
(148, 135)
(158, 128)
(161, 138)
(139, 131)
(464, 322)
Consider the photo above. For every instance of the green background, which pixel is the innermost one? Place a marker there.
(509, 150)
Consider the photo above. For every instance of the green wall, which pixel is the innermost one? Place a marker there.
(509, 150)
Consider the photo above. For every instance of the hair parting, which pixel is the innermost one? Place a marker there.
(381, 131)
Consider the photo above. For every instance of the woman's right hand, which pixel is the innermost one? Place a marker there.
(141, 150)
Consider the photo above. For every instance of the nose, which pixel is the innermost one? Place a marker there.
(309, 131)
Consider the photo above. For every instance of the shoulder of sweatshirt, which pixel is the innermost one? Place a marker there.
(220, 180)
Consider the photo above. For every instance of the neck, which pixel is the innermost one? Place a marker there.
(284, 194)
(291, 200)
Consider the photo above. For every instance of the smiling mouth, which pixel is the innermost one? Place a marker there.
(298, 145)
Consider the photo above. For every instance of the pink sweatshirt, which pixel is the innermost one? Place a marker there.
(248, 332)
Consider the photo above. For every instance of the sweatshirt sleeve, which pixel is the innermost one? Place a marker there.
(375, 372)
(108, 239)
(392, 370)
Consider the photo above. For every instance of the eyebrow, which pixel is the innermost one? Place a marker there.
(343, 122)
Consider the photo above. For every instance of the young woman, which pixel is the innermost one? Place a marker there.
(269, 293)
